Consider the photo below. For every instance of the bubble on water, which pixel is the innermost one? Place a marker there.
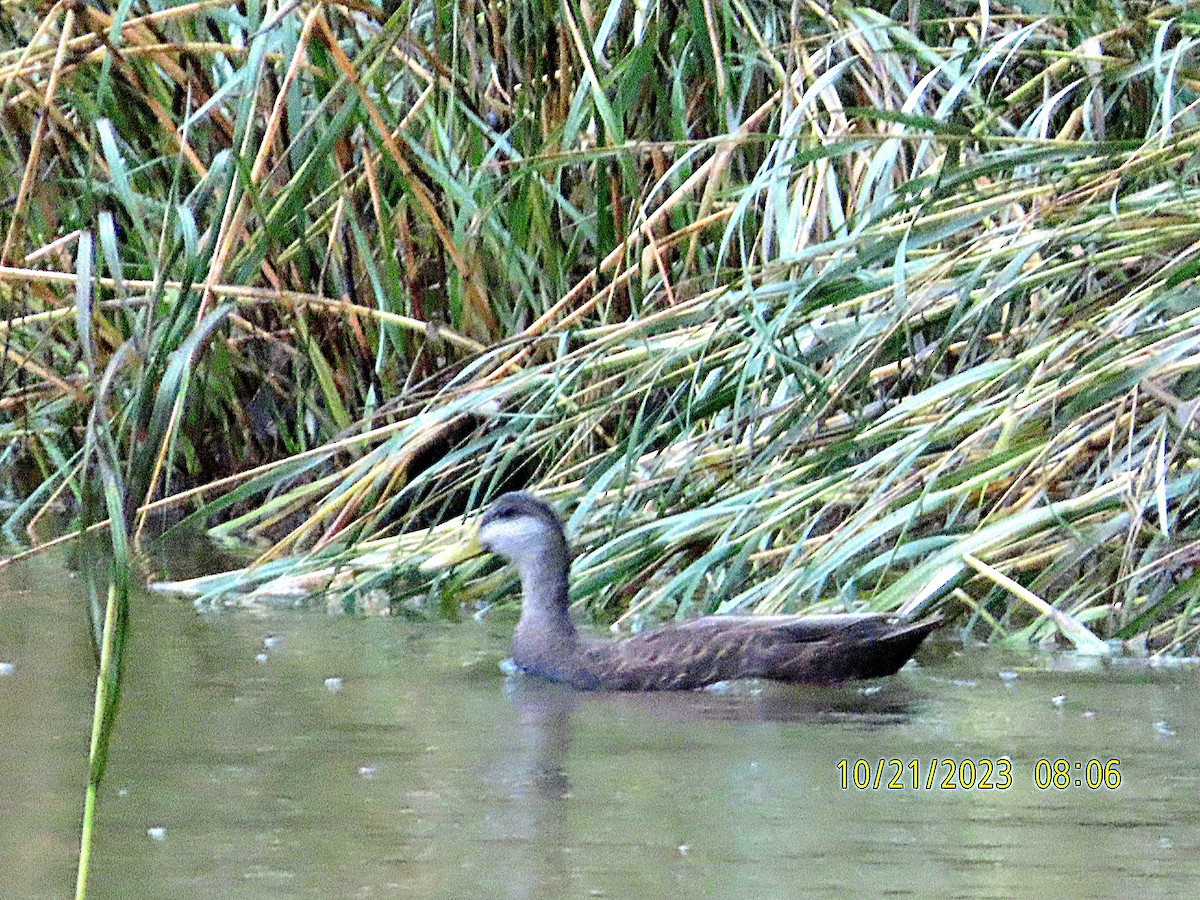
(157, 833)
(6, 669)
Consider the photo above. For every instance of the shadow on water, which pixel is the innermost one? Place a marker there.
(874, 704)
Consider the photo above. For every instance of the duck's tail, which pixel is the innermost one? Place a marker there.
(870, 648)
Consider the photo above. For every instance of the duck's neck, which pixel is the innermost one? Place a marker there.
(545, 634)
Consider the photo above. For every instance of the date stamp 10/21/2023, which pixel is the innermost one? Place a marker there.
(974, 774)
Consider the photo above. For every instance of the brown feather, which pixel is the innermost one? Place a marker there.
(706, 651)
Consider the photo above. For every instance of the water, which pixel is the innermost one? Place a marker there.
(293, 754)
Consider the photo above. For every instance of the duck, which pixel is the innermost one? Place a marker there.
(795, 649)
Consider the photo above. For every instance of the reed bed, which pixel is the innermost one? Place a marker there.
(788, 306)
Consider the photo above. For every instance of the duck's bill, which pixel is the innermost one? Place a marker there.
(460, 552)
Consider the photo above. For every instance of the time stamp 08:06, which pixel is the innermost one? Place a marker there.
(974, 774)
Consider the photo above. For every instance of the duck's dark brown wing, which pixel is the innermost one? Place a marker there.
(796, 649)
(869, 649)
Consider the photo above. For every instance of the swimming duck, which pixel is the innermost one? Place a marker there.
(826, 649)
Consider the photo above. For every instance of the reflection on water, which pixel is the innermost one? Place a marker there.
(238, 772)
(537, 819)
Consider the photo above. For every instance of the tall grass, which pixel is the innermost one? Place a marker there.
(790, 307)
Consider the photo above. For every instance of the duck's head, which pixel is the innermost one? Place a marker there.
(522, 529)
(519, 527)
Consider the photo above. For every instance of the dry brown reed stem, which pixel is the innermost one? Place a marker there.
(262, 295)
(39, 136)
(8, 353)
(232, 228)
(138, 33)
(10, 74)
(56, 245)
(414, 183)
(619, 252)
(342, 507)
(219, 485)
(32, 60)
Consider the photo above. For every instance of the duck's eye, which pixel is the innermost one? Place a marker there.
(499, 515)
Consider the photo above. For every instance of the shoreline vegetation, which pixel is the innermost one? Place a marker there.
(788, 307)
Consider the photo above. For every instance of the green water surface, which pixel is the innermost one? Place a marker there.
(424, 772)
